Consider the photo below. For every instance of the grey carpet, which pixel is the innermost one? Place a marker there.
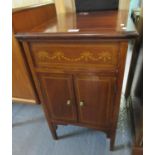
(31, 135)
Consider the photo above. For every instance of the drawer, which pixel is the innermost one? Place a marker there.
(90, 55)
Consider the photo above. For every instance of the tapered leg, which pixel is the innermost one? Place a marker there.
(112, 140)
(108, 134)
(52, 126)
(56, 127)
(53, 131)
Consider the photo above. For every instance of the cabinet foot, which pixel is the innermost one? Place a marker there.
(112, 141)
(53, 131)
(108, 135)
(56, 127)
(111, 145)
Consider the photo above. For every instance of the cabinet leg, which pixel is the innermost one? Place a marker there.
(108, 135)
(56, 127)
(52, 126)
(111, 144)
(53, 131)
(112, 141)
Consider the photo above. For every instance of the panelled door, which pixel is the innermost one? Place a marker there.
(58, 94)
(88, 94)
(95, 96)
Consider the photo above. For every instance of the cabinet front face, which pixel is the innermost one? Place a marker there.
(95, 95)
(57, 90)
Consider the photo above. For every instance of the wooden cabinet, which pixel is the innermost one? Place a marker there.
(78, 75)
(79, 83)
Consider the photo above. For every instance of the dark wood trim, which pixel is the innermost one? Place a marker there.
(80, 35)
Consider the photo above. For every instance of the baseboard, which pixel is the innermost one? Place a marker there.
(21, 100)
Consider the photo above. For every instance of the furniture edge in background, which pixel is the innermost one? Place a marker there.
(134, 88)
(24, 90)
(21, 17)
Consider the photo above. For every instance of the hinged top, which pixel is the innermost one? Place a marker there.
(102, 24)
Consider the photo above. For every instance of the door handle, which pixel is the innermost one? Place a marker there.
(81, 103)
(68, 102)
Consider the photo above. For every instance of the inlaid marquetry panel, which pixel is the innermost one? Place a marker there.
(50, 54)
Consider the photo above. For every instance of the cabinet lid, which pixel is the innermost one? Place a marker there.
(100, 24)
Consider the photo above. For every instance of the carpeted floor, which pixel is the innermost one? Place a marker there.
(31, 135)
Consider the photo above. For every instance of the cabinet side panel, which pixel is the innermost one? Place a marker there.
(121, 67)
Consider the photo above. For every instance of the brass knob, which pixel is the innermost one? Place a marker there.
(68, 102)
(81, 103)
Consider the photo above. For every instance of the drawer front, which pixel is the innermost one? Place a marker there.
(75, 54)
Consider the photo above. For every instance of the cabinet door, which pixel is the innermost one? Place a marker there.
(95, 95)
(58, 96)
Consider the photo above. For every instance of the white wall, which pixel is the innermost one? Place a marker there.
(22, 3)
(124, 4)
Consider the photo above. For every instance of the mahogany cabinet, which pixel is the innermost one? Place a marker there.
(78, 67)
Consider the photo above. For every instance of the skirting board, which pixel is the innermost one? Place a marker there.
(21, 100)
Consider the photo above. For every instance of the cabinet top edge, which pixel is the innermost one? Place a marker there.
(101, 25)
(74, 36)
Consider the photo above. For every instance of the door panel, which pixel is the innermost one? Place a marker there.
(58, 95)
(94, 95)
